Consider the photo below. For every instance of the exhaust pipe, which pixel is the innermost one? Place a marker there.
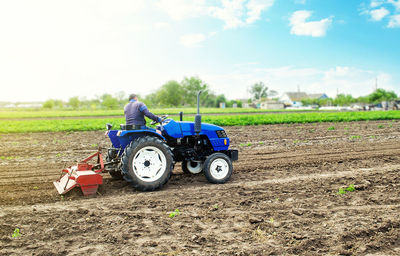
(197, 118)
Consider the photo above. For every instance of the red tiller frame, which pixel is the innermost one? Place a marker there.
(82, 175)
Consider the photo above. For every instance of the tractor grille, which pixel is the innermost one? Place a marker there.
(221, 134)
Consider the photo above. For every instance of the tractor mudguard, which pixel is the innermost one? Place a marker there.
(121, 138)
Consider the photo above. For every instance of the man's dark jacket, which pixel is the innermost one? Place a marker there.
(135, 112)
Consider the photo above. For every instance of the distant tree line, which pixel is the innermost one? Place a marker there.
(378, 96)
(170, 94)
(184, 94)
(105, 101)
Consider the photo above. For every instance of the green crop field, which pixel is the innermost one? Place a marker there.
(20, 114)
(91, 124)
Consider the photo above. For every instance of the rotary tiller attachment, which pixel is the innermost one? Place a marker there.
(83, 175)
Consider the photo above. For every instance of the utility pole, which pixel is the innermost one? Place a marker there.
(376, 84)
(298, 88)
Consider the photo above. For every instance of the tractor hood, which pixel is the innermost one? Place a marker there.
(206, 129)
(181, 129)
(214, 133)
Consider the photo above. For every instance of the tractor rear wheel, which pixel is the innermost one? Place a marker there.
(218, 168)
(147, 163)
(193, 167)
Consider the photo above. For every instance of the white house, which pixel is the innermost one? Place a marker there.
(294, 98)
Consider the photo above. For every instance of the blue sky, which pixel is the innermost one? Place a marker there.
(60, 49)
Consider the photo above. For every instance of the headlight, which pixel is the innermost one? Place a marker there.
(221, 134)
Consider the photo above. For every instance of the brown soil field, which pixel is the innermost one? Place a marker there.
(281, 200)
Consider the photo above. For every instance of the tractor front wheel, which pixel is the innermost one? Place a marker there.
(193, 167)
(218, 168)
(147, 163)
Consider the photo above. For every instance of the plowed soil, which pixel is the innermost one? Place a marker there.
(281, 200)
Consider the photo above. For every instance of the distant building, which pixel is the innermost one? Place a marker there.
(318, 96)
(245, 102)
(267, 104)
(294, 98)
(271, 104)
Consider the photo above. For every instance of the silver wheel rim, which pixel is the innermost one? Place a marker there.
(149, 164)
(196, 169)
(219, 168)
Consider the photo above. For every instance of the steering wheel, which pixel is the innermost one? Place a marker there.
(162, 119)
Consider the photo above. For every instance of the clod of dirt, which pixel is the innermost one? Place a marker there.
(363, 186)
(297, 212)
(82, 211)
(254, 220)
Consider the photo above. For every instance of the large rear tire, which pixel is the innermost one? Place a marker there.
(147, 163)
(218, 168)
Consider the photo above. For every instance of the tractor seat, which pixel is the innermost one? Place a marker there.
(131, 127)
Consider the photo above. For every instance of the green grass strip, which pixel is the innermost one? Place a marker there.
(55, 125)
(9, 114)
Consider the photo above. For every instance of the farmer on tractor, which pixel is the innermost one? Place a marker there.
(144, 158)
(135, 112)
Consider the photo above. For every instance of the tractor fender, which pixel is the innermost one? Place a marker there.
(127, 136)
(143, 132)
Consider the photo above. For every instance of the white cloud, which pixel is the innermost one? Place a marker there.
(230, 13)
(394, 21)
(234, 13)
(348, 80)
(255, 8)
(379, 14)
(353, 80)
(237, 13)
(375, 3)
(301, 27)
(388, 7)
(395, 3)
(192, 40)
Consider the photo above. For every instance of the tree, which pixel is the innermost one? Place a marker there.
(220, 99)
(210, 101)
(59, 104)
(363, 99)
(381, 95)
(259, 90)
(122, 98)
(53, 104)
(191, 86)
(74, 102)
(109, 102)
(151, 100)
(344, 100)
(48, 104)
(319, 102)
(170, 94)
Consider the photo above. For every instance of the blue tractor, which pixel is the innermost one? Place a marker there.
(145, 158)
